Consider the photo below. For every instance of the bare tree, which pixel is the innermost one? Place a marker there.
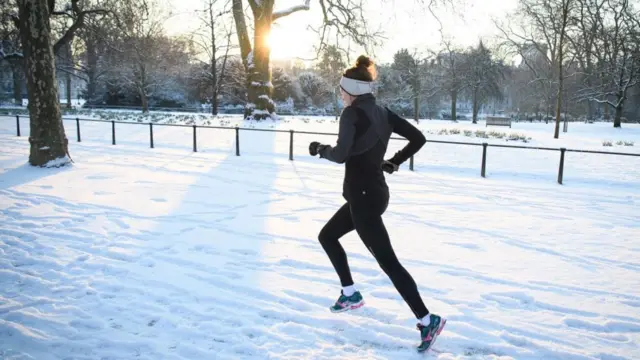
(541, 32)
(484, 77)
(451, 73)
(142, 62)
(617, 53)
(90, 49)
(214, 40)
(11, 48)
(331, 67)
(98, 43)
(410, 68)
(587, 20)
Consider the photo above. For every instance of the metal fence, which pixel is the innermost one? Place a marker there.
(483, 165)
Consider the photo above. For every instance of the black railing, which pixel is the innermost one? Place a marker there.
(483, 166)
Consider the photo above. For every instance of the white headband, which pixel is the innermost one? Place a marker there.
(355, 87)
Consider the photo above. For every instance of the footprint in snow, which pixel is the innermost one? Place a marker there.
(465, 245)
(120, 223)
(631, 303)
(244, 252)
(159, 199)
(97, 177)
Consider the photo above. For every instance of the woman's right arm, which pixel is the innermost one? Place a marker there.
(403, 128)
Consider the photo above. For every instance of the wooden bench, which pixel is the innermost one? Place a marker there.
(498, 121)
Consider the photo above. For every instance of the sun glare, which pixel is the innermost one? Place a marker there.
(286, 44)
(269, 41)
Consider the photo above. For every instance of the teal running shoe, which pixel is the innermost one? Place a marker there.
(345, 303)
(429, 333)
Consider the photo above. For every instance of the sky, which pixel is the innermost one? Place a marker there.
(405, 23)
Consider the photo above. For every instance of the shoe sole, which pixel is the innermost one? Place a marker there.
(443, 322)
(350, 307)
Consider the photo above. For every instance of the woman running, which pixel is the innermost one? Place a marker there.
(364, 132)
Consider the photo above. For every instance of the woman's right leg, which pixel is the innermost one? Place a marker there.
(338, 226)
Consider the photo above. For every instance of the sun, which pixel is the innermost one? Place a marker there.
(286, 44)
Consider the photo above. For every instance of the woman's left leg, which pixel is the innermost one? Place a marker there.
(367, 219)
(374, 235)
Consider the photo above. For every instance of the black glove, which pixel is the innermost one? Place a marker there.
(389, 167)
(314, 148)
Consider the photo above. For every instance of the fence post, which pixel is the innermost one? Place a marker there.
(411, 163)
(18, 124)
(151, 135)
(291, 145)
(78, 129)
(237, 141)
(561, 168)
(113, 132)
(195, 141)
(483, 172)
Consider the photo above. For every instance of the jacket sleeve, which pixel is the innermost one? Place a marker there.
(403, 128)
(346, 134)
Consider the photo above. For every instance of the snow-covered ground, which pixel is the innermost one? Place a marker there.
(139, 253)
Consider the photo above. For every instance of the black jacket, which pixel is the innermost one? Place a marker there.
(363, 137)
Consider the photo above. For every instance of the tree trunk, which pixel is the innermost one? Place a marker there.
(589, 103)
(214, 85)
(18, 77)
(256, 61)
(49, 144)
(416, 108)
(617, 121)
(145, 101)
(214, 101)
(214, 70)
(69, 68)
(566, 6)
(475, 105)
(68, 88)
(260, 88)
(454, 101)
(243, 40)
(556, 133)
(603, 83)
(142, 87)
(92, 69)
(241, 30)
(416, 94)
(546, 119)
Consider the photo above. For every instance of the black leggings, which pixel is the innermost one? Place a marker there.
(364, 214)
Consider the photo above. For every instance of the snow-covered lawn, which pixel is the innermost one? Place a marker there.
(139, 253)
